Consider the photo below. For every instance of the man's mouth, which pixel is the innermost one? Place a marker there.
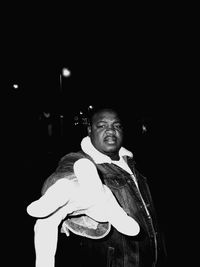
(110, 140)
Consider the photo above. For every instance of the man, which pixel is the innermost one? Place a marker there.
(104, 199)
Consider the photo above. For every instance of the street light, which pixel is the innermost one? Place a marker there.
(64, 73)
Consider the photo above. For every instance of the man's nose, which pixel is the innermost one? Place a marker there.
(110, 129)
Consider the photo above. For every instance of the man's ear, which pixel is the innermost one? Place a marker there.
(89, 130)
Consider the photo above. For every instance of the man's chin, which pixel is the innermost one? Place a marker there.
(111, 149)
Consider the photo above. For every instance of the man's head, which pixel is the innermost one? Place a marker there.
(106, 132)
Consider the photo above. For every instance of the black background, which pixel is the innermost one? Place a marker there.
(129, 56)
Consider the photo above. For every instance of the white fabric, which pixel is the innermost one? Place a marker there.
(97, 156)
(100, 158)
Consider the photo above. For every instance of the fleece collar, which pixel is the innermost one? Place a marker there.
(99, 157)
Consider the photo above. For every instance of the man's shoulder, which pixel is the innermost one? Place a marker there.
(72, 157)
(65, 168)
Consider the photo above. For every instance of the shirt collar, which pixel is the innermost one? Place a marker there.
(99, 157)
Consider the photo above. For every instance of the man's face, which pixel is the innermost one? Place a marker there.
(106, 132)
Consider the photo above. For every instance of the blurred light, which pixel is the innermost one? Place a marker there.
(90, 107)
(66, 72)
(15, 86)
(144, 129)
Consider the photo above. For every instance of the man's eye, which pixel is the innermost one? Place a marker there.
(118, 126)
(100, 126)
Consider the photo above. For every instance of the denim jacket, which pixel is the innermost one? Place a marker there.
(101, 244)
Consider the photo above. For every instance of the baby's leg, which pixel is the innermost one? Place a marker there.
(55, 197)
(117, 216)
(101, 204)
(46, 238)
(91, 188)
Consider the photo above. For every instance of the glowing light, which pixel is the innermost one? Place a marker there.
(66, 72)
(15, 86)
(90, 107)
(144, 128)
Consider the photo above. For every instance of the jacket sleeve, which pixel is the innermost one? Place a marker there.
(63, 170)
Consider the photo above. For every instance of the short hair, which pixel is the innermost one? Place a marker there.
(97, 109)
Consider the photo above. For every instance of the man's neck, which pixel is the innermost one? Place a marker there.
(113, 156)
(100, 157)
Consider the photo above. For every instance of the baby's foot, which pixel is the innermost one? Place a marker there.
(55, 197)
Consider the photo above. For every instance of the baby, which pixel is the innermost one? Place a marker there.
(84, 194)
